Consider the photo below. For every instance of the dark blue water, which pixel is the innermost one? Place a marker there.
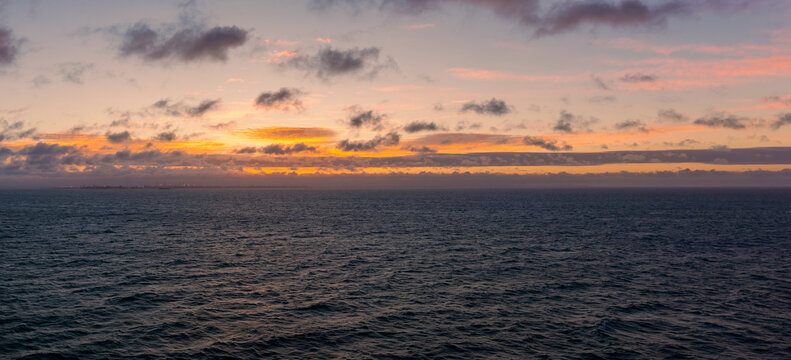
(588, 274)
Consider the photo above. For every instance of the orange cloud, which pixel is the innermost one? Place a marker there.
(291, 134)
(324, 40)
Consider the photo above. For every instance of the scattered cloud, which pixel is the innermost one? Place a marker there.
(291, 133)
(671, 115)
(387, 140)
(119, 137)
(188, 43)
(180, 109)
(570, 123)
(283, 99)
(638, 78)
(72, 72)
(418, 126)
(551, 145)
(14, 130)
(166, 136)
(782, 120)
(9, 46)
(631, 125)
(329, 63)
(278, 149)
(599, 83)
(722, 120)
(324, 40)
(420, 149)
(494, 106)
(359, 118)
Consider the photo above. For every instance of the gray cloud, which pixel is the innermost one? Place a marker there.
(418, 126)
(189, 43)
(388, 140)
(284, 98)
(683, 143)
(328, 63)
(671, 115)
(554, 18)
(774, 98)
(71, 72)
(166, 136)
(599, 83)
(359, 118)
(490, 107)
(551, 145)
(782, 120)
(9, 46)
(180, 109)
(631, 124)
(420, 149)
(14, 130)
(119, 137)
(568, 122)
(637, 78)
(278, 149)
(721, 120)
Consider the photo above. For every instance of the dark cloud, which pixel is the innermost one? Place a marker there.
(189, 43)
(551, 145)
(721, 120)
(370, 145)
(568, 15)
(166, 136)
(14, 130)
(359, 118)
(554, 17)
(9, 46)
(671, 115)
(285, 98)
(569, 123)
(599, 83)
(120, 137)
(631, 125)
(638, 78)
(328, 63)
(72, 72)
(278, 149)
(418, 126)
(782, 120)
(490, 107)
(420, 149)
(180, 109)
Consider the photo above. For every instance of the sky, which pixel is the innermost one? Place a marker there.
(361, 92)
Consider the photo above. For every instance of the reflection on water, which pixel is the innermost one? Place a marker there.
(436, 274)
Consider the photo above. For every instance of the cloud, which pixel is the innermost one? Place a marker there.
(180, 109)
(370, 145)
(567, 122)
(637, 78)
(631, 124)
(568, 15)
(120, 137)
(555, 17)
(359, 118)
(551, 145)
(166, 136)
(599, 83)
(291, 133)
(721, 120)
(671, 115)
(603, 99)
(683, 143)
(329, 63)
(71, 72)
(278, 149)
(778, 99)
(782, 120)
(222, 125)
(9, 46)
(14, 130)
(283, 99)
(188, 43)
(418, 126)
(490, 107)
(420, 149)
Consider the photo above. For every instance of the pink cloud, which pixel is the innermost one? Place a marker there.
(479, 74)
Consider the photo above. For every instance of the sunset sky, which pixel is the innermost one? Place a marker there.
(101, 91)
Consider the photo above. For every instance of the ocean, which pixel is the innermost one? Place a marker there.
(447, 274)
